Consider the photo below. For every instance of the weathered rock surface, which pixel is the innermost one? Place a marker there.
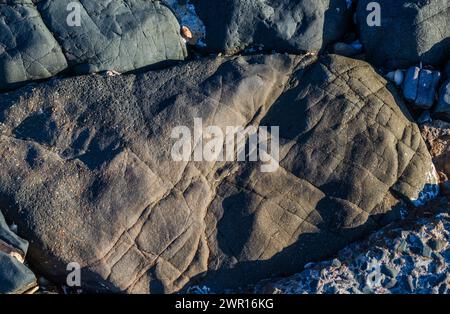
(281, 25)
(437, 138)
(121, 35)
(86, 171)
(411, 31)
(28, 50)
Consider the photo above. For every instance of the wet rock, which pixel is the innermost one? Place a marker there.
(28, 50)
(281, 25)
(405, 34)
(420, 86)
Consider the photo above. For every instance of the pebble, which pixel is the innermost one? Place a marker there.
(389, 271)
(396, 77)
(390, 283)
(347, 50)
(336, 263)
(186, 33)
(420, 86)
(410, 283)
(390, 261)
(436, 244)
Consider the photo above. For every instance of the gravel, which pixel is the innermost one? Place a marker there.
(395, 260)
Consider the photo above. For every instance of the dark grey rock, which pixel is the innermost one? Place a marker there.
(138, 221)
(280, 25)
(420, 86)
(347, 50)
(123, 35)
(10, 238)
(15, 277)
(442, 109)
(28, 50)
(447, 70)
(411, 31)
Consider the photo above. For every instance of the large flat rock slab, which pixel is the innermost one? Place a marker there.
(86, 171)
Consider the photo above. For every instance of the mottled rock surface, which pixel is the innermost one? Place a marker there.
(280, 25)
(410, 31)
(437, 138)
(86, 171)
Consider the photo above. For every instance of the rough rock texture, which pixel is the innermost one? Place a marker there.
(411, 258)
(437, 138)
(281, 25)
(28, 50)
(86, 171)
(119, 35)
(411, 31)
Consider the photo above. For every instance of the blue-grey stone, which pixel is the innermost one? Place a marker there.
(15, 277)
(420, 86)
(28, 50)
(10, 238)
(442, 109)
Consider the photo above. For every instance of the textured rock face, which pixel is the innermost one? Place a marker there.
(437, 138)
(411, 31)
(86, 171)
(282, 25)
(28, 50)
(120, 35)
